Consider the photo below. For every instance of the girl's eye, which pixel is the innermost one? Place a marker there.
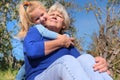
(42, 14)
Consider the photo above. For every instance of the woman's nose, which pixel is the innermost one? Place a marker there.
(54, 17)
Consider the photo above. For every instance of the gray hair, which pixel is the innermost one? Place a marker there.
(60, 8)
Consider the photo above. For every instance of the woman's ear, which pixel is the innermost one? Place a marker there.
(63, 26)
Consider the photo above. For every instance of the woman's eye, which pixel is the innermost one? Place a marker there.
(60, 16)
(51, 14)
(37, 19)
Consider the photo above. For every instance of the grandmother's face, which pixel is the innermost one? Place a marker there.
(55, 21)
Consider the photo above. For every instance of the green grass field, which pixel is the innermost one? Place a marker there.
(8, 74)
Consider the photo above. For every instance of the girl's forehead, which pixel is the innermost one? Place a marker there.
(41, 8)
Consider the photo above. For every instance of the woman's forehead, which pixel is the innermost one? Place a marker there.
(55, 12)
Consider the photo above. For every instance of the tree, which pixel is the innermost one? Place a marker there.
(9, 13)
(107, 42)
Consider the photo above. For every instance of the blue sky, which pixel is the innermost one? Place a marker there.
(85, 25)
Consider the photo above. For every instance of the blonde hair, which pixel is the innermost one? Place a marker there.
(25, 10)
(60, 8)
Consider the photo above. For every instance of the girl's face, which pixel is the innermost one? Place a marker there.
(39, 16)
(55, 21)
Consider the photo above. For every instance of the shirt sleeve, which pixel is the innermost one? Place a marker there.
(45, 32)
(74, 52)
(34, 44)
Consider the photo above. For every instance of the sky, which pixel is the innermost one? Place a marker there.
(85, 25)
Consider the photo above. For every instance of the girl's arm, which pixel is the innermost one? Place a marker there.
(46, 33)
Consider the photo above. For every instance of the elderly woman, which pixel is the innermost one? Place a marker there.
(50, 60)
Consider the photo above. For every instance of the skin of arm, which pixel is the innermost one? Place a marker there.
(50, 46)
(53, 45)
(36, 47)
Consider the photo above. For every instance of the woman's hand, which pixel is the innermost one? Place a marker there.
(65, 41)
(62, 41)
(101, 64)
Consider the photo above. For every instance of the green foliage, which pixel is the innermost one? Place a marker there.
(5, 44)
(8, 74)
(8, 12)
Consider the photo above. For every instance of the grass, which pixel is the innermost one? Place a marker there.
(8, 74)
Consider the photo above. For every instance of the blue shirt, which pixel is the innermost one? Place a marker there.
(35, 60)
(45, 32)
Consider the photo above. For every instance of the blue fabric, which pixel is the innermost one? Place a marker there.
(21, 73)
(17, 50)
(45, 32)
(17, 43)
(35, 58)
(65, 68)
(37, 62)
(87, 61)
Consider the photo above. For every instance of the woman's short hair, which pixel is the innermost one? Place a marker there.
(60, 8)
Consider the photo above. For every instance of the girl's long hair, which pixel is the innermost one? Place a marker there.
(25, 10)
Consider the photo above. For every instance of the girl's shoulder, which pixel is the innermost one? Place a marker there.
(37, 25)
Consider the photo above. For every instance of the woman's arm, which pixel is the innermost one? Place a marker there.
(53, 45)
(35, 46)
